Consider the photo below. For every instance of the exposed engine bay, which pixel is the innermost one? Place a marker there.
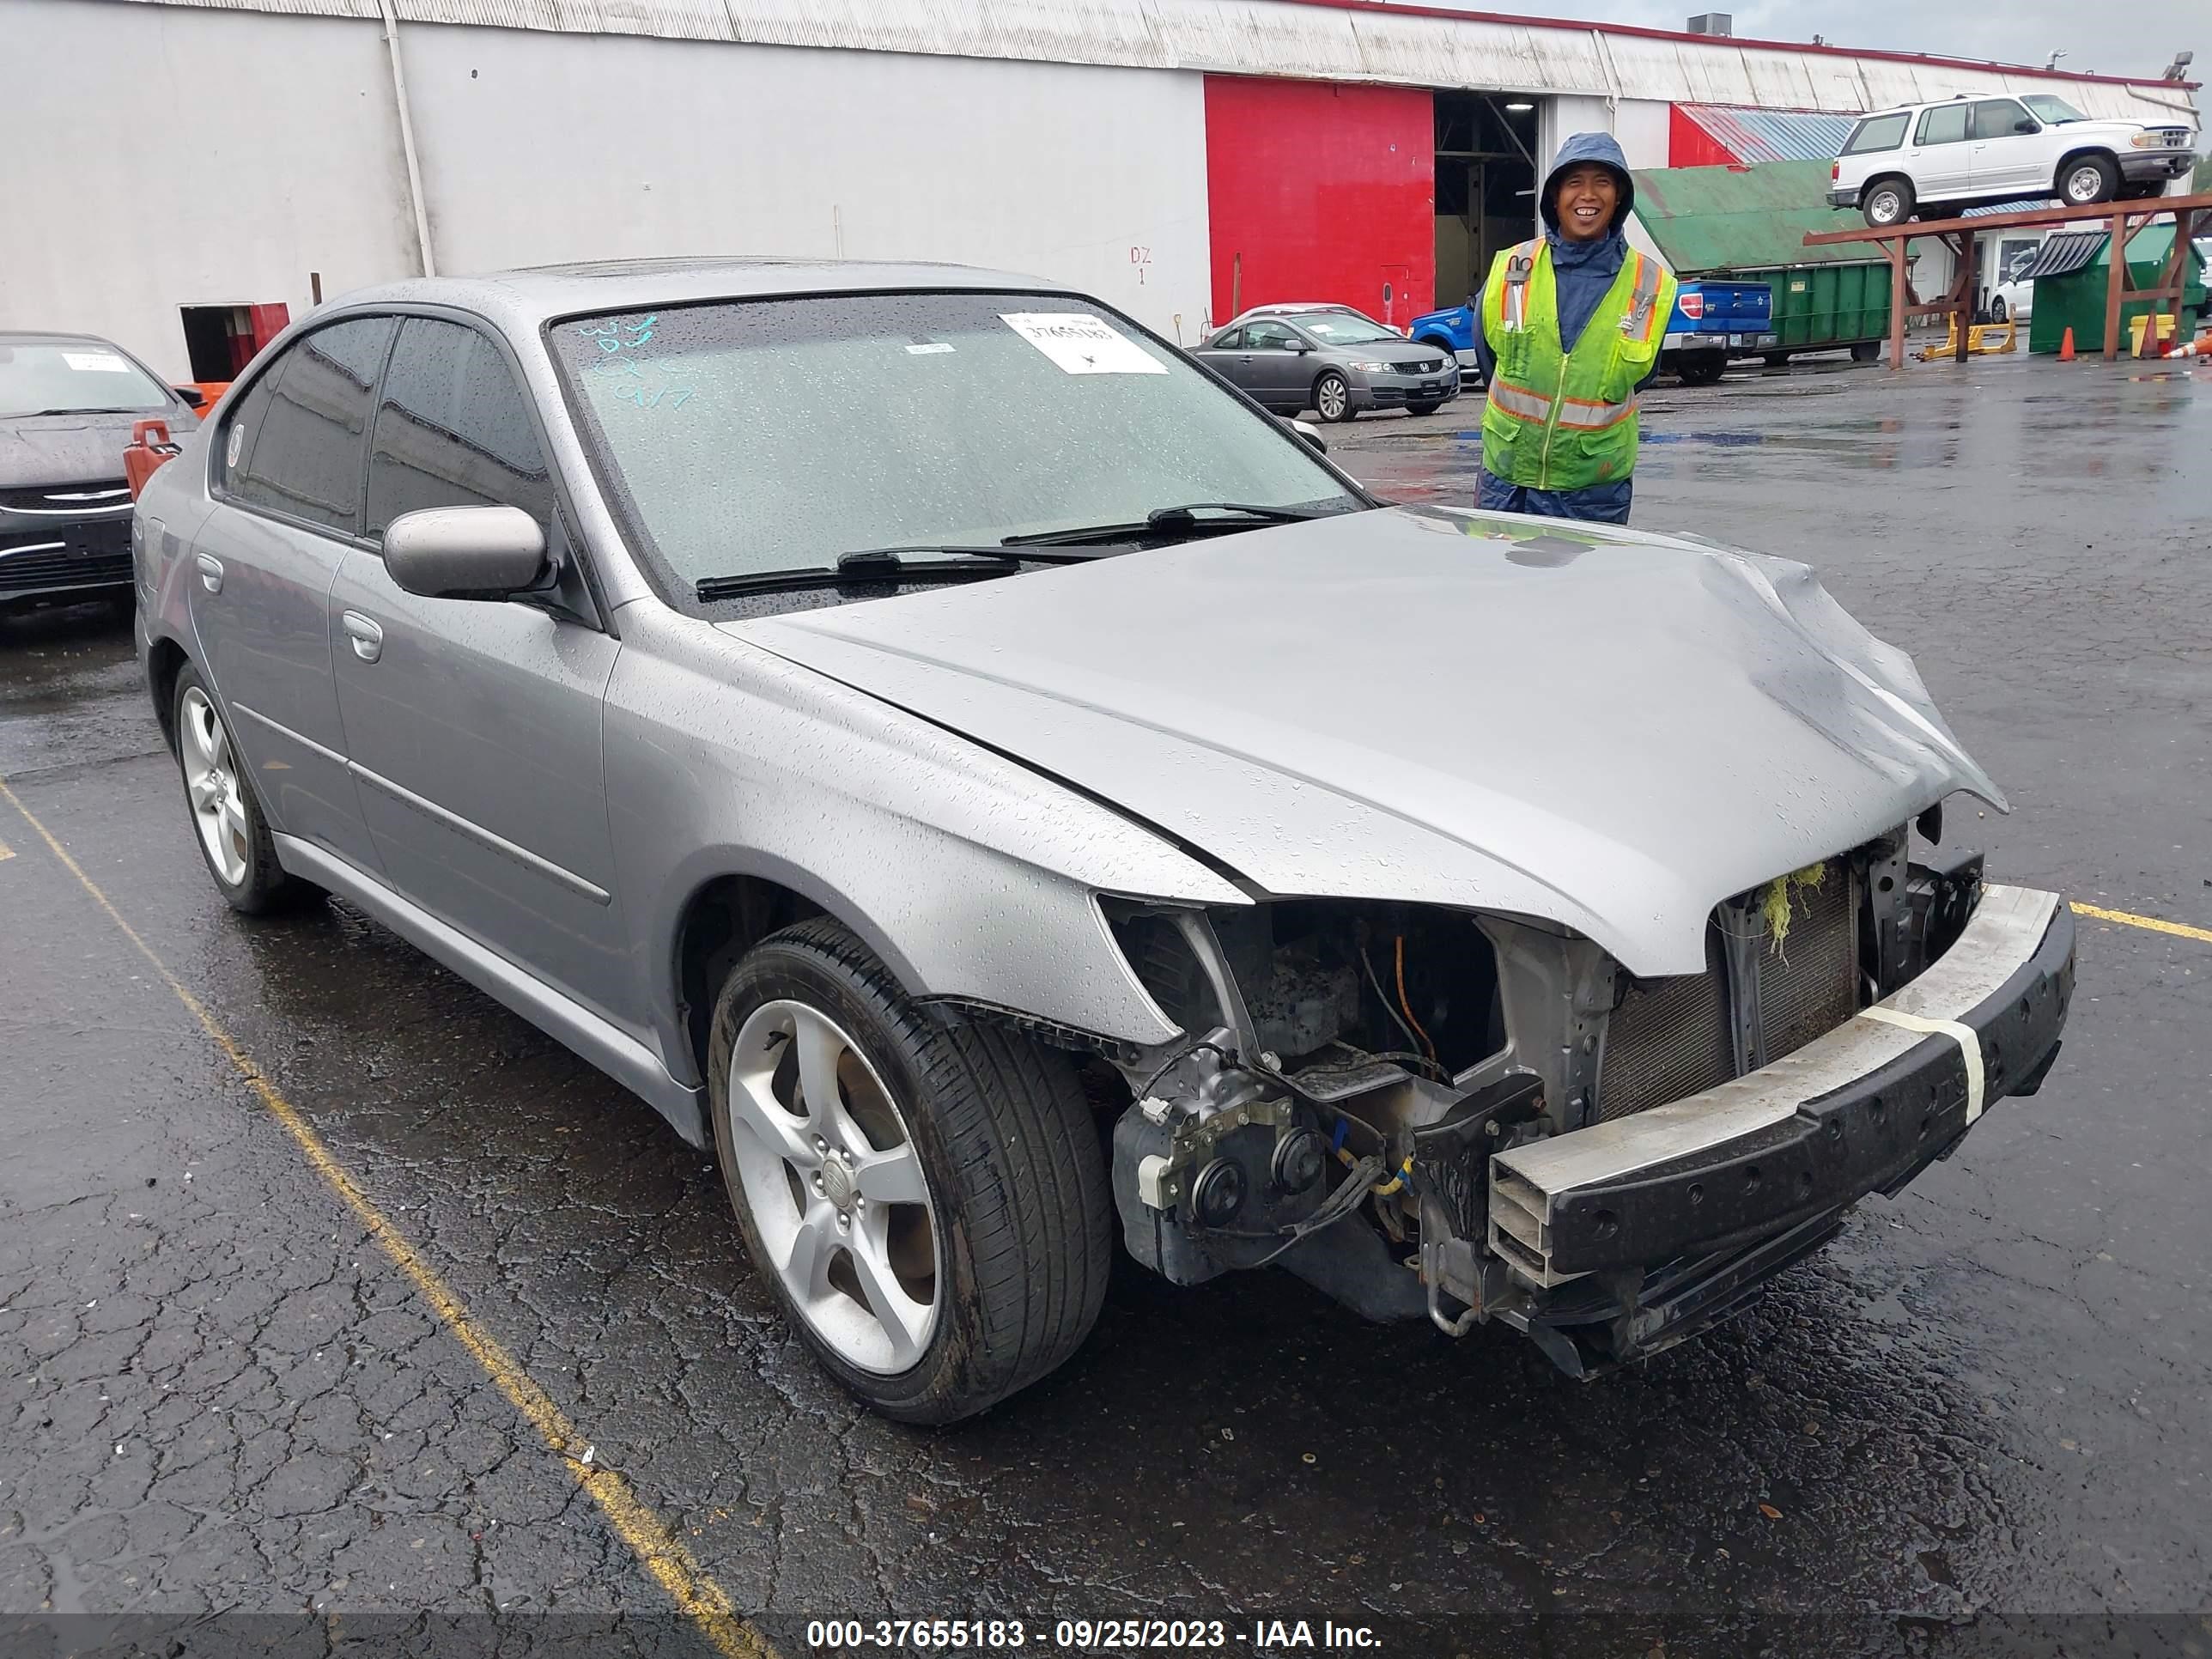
(1349, 1070)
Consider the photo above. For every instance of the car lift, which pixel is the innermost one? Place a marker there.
(2125, 218)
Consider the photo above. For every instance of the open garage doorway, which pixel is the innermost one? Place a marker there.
(1486, 185)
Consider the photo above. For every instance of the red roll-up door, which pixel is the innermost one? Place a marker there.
(1324, 192)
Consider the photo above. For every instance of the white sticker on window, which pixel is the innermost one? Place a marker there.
(102, 361)
(1082, 345)
(929, 348)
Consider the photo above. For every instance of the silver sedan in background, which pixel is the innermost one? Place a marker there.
(1042, 801)
(1331, 360)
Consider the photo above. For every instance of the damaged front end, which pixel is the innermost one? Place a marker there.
(1468, 1117)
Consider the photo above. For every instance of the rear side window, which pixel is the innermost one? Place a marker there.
(1998, 117)
(295, 445)
(1877, 133)
(454, 429)
(1944, 125)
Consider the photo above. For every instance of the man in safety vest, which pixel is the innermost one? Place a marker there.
(1571, 326)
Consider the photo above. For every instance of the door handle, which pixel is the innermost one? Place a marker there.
(210, 572)
(368, 638)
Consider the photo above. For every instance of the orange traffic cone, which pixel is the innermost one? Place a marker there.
(2066, 348)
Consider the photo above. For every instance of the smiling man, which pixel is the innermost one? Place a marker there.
(1571, 326)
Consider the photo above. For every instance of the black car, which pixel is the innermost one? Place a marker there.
(68, 403)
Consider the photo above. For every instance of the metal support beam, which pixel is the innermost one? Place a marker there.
(407, 143)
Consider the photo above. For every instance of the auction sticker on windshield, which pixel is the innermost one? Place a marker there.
(1081, 344)
(96, 362)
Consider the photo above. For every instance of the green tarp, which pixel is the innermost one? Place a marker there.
(1710, 220)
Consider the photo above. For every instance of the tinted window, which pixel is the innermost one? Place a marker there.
(1230, 339)
(1997, 118)
(1877, 133)
(1944, 125)
(453, 430)
(1269, 336)
(306, 460)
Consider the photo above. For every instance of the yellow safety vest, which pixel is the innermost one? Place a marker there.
(1566, 420)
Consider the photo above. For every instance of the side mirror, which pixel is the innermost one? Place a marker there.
(2027, 124)
(1309, 432)
(1303, 348)
(193, 397)
(464, 552)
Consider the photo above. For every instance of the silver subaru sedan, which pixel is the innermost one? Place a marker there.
(1009, 796)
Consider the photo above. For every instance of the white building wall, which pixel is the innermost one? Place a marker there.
(537, 147)
(1643, 126)
(158, 156)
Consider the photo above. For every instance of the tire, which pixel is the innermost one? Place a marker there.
(1866, 351)
(2088, 178)
(227, 825)
(1701, 368)
(1997, 307)
(1331, 397)
(988, 1131)
(1776, 359)
(1423, 409)
(1888, 202)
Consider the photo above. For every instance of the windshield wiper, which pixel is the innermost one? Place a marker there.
(118, 408)
(904, 564)
(1240, 514)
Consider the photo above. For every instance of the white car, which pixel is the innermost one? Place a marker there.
(1968, 152)
(2012, 302)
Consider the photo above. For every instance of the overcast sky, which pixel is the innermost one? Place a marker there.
(2131, 37)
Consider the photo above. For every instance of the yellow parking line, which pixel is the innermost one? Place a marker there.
(2178, 929)
(650, 1537)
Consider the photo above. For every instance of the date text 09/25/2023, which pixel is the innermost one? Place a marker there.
(1007, 1636)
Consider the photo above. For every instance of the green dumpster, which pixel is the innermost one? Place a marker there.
(1748, 224)
(2072, 271)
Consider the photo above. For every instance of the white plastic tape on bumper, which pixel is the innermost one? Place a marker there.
(1970, 1046)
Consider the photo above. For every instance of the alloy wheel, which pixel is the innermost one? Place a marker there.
(211, 781)
(835, 1186)
(1330, 398)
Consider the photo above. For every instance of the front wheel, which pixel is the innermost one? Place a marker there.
(2087, 180)
(924, 1192)
(1997, 309)
(1332, 397)
(232, 835)
(1888, 202)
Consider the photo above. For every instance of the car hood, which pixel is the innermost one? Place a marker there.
(1610, 730)
(62, 449)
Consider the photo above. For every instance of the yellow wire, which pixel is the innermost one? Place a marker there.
(1408, 1006)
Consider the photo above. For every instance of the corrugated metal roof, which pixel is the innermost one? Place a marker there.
(1709, 220)
(1772, 135)
(1354, 40)
(2028, 205)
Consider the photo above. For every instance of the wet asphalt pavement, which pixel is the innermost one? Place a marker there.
(1987, 1402)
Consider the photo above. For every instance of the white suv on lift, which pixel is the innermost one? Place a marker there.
(1966, 152)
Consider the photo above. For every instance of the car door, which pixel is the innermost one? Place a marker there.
(1275, 362)
(2005, 149)
(287, 482)
(473, 725)
(1940, 159)
(1225, 355)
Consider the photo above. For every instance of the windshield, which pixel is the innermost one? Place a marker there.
(2055, 110)
(1343, 328)
(778, 434)
(66, 376)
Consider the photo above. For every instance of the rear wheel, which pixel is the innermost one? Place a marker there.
(1332, 397)
(2088, 178)
(1888, 202)
(924, 1192)
(232, 835)
(1865, 351)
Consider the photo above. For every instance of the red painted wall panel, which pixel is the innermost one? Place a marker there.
(1326, 193)
(1689, 145)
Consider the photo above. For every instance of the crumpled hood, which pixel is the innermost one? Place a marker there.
(1611, 730)
(65, 449)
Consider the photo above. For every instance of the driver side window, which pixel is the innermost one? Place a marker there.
(1269, 336)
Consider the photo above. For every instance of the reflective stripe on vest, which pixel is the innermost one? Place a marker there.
(1520, 265)
(1637, 324)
